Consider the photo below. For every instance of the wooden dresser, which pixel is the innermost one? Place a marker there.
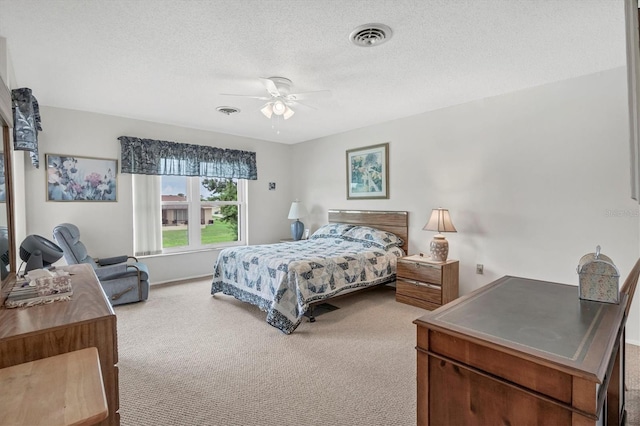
(426, 284)
(88, 320)
(522, 352)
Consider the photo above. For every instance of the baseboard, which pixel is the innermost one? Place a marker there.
(182, 280)
(632, 342)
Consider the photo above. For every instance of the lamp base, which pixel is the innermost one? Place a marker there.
(439, 248)
(297, 228)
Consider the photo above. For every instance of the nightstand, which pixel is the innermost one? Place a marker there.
(426, 284)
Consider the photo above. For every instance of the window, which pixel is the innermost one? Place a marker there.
(200, 212)
(173, 210)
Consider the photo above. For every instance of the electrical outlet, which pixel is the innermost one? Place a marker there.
(479, 269)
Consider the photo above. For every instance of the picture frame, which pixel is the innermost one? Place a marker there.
(368, 172)
(75, 178)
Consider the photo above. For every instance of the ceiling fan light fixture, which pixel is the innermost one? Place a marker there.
(288, 113)
(278, 100)
(279, 107)
(267, 110)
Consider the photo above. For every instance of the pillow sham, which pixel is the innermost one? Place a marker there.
(331, 230)
(376, 237)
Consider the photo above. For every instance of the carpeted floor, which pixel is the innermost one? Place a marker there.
(187, 358)
(632, 381)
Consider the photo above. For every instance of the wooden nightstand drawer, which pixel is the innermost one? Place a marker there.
(426, 284)
(423, 272)
(419, 290)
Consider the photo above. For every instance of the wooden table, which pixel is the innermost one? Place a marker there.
(60, 390)
(87, 320)
(521, 351)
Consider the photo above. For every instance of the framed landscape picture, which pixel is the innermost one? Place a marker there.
(73, 178)
(368, 172)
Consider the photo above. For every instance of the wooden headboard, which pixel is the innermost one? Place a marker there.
(391, 221)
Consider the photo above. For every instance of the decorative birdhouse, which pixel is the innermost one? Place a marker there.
(598, 278)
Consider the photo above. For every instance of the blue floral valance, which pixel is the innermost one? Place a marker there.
(153, 157)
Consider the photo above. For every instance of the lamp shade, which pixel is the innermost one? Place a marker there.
(440, 221)
(297, 210)
(267, 110)
(288, 113)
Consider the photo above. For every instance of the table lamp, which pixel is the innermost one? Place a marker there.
(297, 211)
(439, 221)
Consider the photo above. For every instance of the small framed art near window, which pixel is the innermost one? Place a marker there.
(368, 172)
(73, 178)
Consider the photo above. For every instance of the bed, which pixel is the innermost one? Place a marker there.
(356, 250)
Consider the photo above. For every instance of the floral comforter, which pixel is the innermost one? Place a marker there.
(282, 279)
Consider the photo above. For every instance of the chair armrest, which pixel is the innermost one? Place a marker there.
(111, 271)
(112, 260)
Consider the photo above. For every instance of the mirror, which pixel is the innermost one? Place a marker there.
(5, 266)
(7, 243)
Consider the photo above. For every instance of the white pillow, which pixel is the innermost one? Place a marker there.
(373, 236)
(331, 230)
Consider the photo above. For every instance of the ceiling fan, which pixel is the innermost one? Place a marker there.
(280, 99)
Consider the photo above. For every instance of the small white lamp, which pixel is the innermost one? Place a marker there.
(297, 211)
(439, 221)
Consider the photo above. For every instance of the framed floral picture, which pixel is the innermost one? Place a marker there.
(73, 178)
(368, 172)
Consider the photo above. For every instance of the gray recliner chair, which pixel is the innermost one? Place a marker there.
(123, 278)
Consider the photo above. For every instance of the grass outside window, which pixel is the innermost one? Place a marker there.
(218, 232)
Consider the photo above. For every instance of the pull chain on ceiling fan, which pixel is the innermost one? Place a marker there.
(280, 99)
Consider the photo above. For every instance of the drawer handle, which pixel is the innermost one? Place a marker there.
(419, 265)
(421, 284)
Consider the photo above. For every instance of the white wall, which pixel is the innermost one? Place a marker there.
(106, 228)
(6, 66)
(533, 179)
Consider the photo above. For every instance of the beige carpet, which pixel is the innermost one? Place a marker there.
(187, 358)
(632, 380)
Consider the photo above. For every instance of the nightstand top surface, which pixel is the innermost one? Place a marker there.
(426, 259)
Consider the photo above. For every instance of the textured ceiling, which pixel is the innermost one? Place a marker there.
(169, 61)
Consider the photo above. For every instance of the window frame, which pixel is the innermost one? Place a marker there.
(194, 205)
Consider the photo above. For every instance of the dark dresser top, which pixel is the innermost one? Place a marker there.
(541, 318)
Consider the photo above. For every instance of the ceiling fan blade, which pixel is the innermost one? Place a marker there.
(270, 86)
(263, 98)
(290, 102)
(307, 95)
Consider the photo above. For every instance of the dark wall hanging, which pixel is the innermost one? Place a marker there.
(26, 122)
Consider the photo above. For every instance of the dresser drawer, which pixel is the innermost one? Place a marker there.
(419, 290)
(420, 272)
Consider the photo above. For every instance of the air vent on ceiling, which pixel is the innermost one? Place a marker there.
(370, 35)
(227, 110)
